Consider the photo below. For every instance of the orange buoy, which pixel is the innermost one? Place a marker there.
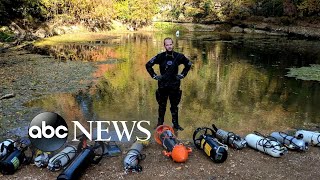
(164, 135)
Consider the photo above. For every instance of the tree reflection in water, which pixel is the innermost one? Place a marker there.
(236, 82)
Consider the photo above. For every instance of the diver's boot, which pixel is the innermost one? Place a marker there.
(175, 116)
(176, 125)
(160, 122)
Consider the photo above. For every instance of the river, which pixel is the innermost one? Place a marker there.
(237, 82)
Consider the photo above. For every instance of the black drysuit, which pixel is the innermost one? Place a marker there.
(169, 81)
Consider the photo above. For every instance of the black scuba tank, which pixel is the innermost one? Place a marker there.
(78, 165)
(12, 162)
(205, 140)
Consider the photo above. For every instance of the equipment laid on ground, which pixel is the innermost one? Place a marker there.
(290, 141)
(42, 159)
(133, 157)
(230, 138)
(87, 155)
(61, 159)
(6, 147)
(164, 135)
(204, 139)
(268, 145)
(79, 164)
(311, 137)
(111, 149)
(11, 162)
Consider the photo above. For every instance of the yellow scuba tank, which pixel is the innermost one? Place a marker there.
(204, 139)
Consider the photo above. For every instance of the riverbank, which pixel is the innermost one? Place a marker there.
(254, 25)
(265, 26)
(29, 76)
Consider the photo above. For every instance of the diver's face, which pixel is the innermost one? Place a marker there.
(168, 44)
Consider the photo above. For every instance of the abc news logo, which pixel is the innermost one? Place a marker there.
(48, 131)
(38, 132)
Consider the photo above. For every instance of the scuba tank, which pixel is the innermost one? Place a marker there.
(6, 147)
(61, 159)
(210, 145)
(12, 161)
(290, 141)
(230, 138)
(134, 156)
(164, 136)
(310, 137)
(82, 161)
(268, 145)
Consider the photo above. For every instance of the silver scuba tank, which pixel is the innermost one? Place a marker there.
(230, 138)
(61, 159)
(290, 141)
(313, 138)
(268, 145)
(133, 157)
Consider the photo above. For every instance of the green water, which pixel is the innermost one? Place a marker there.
(237, 82)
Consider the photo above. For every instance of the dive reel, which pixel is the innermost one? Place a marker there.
(87, 154)
(164, 135)
(204, 139)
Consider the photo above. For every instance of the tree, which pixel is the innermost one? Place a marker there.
(309, 7)
(136, 12)
(10, 10)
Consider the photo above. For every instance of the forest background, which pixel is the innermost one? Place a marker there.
(31, 19)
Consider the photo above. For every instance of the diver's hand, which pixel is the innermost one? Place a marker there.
(157, 77)
(179, 76)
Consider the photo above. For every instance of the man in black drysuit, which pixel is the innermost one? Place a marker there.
(169, 80)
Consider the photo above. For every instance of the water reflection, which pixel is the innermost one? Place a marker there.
(237, 82)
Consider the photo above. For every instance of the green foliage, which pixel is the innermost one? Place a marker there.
(272, 8)
(191, 11)
(309, 7)
(6, 36)
(79, 9)
(306, 73)
(138, 13)
(100, 12)
(122, 10)
(226, 10)
(11, 10)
